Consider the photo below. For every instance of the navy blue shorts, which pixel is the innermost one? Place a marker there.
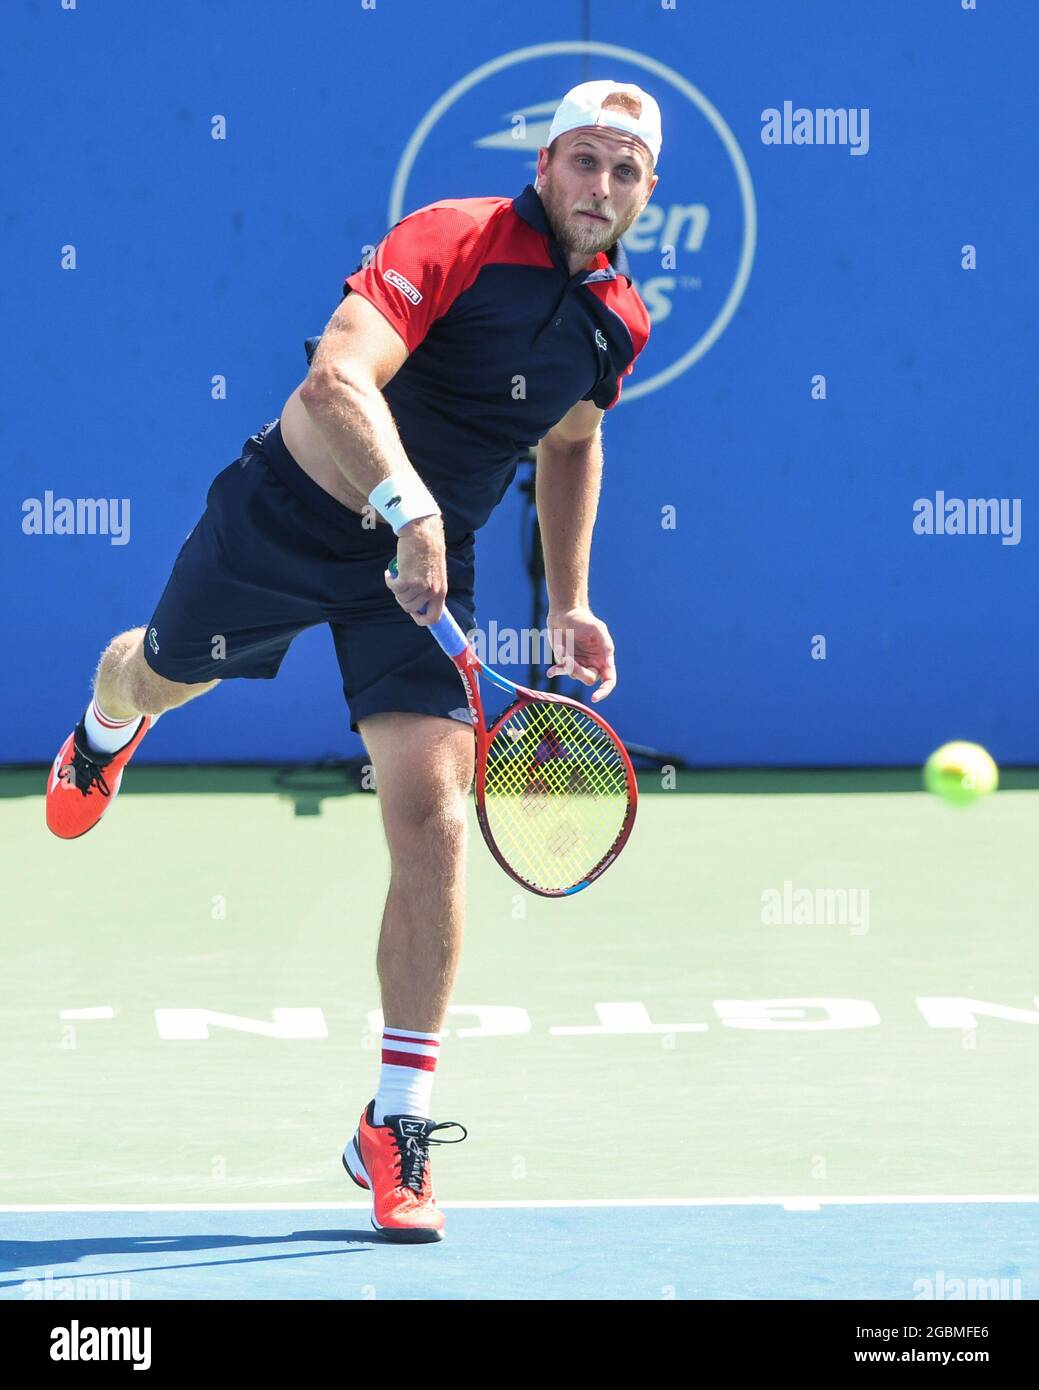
(274, 554)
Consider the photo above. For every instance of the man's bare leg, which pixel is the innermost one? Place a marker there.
(125, 685)
(423, 771)
(87, 772)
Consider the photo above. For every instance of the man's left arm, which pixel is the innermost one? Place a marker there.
(569, 472)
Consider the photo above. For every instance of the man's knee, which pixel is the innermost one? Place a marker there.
(147, 691)
(122, 649)
(424, 770)
(432, 822)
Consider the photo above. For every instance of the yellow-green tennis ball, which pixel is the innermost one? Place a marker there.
(961, 773)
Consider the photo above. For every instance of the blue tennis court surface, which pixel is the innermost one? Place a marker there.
(887, 1250)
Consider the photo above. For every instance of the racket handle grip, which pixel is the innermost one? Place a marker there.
(447, 632)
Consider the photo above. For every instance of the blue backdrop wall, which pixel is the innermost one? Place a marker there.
(797, 267)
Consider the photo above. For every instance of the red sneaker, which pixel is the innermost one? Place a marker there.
(82, 783)
(391, 1160)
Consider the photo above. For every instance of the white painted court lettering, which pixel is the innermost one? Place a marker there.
(792, 1014)
(193, 1025)
(943, 1011)
(626, 1018)
(807, 1013)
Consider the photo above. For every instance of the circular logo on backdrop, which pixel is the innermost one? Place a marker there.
(691, 249)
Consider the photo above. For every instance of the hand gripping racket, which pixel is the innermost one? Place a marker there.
(555, 790)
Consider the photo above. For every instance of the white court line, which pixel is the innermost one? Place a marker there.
(789, 1203)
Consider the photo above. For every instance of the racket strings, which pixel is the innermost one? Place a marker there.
(556, 793)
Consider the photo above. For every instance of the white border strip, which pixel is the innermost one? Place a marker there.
(792, 1203)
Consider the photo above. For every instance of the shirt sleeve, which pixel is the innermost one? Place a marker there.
(419, 269)
(607, 393)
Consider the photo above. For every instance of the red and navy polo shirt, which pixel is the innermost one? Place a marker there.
(503, 341)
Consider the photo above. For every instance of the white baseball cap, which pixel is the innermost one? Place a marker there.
(583, 106)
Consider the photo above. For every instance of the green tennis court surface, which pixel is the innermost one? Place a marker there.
(796, 988)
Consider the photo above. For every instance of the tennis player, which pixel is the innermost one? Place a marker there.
(479, 327)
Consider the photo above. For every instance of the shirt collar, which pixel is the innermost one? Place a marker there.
(607, 264)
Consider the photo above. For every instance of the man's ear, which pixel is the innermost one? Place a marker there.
(542, 165)
(652, 184)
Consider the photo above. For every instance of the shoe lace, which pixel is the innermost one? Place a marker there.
(413, 1153)
(86, 773)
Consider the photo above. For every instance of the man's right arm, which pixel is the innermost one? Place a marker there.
(358, 354)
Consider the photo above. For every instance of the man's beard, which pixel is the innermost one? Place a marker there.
(575, 233)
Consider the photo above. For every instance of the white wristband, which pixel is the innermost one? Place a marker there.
(400, 502)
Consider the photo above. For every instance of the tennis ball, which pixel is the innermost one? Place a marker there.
(960, 773)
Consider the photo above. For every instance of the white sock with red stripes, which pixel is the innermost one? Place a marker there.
(107, 735)
(409, 1060)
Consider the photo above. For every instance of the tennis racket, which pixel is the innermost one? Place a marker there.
(555, 790)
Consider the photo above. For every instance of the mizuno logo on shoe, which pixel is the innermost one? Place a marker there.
(412, 1126)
